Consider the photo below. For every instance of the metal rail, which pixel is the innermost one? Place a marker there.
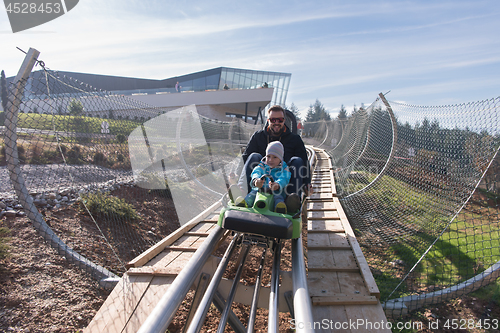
(301, 300)
(165, 310)
(255, 297)
(163, 313)
(273, 320)
(201, 312)
(302, 305)
(236, 282)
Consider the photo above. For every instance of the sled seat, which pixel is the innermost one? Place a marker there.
(259, 224)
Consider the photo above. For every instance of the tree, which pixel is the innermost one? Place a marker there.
(75, 107)
(79, 124)
(342, 113)
(317, 112)
(295, 110)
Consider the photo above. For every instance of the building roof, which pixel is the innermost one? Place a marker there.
(215, 79)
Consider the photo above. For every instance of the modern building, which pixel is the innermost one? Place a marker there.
(218, 93)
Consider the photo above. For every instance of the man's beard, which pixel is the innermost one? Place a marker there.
(277, 133)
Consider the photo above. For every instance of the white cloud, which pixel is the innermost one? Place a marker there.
(337, 52)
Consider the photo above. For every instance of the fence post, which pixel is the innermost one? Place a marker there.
(107, 279)
(391, 155)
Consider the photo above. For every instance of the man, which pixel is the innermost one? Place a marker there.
(295, 155)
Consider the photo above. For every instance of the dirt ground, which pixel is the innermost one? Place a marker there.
(41, 292)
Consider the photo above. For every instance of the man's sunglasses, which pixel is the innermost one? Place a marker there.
(277, 120)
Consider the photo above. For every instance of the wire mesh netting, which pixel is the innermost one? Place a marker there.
(104, 177)
(420, 187)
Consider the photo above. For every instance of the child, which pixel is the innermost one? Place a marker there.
(272, 164)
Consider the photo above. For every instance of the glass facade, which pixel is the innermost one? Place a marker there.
(250, 79)
(208, 80)
(235, 78)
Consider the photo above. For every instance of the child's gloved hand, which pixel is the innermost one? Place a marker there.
(259, 182)
(274, 186)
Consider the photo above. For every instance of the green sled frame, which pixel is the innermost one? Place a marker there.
(260, 219)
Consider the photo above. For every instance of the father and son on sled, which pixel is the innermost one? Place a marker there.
(271, 172)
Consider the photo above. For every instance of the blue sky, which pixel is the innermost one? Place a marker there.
(340, 52)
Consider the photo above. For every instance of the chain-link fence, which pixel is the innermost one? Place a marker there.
(104, 177)
(419, 185)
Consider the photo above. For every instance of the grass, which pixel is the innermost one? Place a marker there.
(73, 123)
(490, 293)
(469, 245)
(105, 206)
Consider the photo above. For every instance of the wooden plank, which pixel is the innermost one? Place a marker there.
(364, 315)
(320, 259)
(176, 266)
(321, 180)
(325, 225)
(344, 300)
(197, 243)
(323, 215)
(352, 284)
(339, 240)
(202, 227)
(375, 314)
(333, 315)
(158, 247)
(163, 259)
(358, 253)
(322, 186)
(328, 247)
(321, 196)
(214, 218)
(119, 305)
(323, 283)
(183, 249)
(151, 271)
(318, 240)
(327, 241)
(331, 261)
(317, 177)
(322, 176)
(320, 205)
(199, 234)
(156, 289)
(353, 269)
(315, 182)
(344, 258)
(185, 241)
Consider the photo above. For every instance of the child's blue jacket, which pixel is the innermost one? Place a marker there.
(281, 174)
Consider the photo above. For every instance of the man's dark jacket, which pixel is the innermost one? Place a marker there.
(293, 144)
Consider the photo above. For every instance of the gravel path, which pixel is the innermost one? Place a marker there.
(54, 176)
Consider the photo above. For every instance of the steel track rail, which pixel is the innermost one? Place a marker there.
(163, 313)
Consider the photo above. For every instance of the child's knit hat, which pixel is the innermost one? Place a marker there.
(275, 148)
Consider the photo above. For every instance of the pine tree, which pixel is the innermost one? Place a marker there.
(342, 113)
(295, 110)
(317, 112)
